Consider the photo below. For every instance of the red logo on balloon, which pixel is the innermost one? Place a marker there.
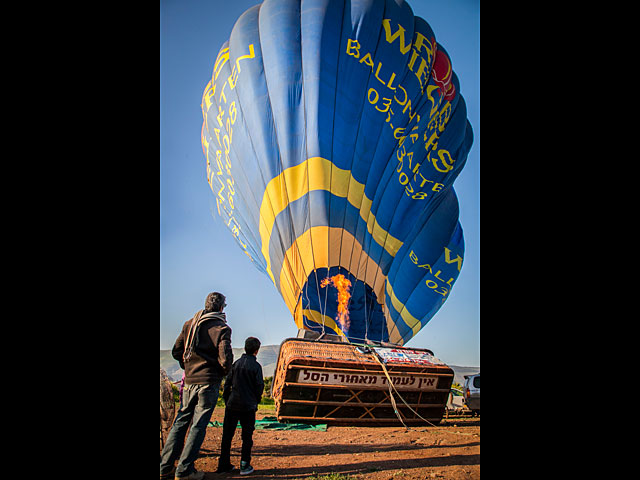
(442, 74)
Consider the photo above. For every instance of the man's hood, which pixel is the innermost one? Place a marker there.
(192, 331)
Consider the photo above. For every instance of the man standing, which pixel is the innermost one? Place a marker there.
(203, 350)
(242, 392)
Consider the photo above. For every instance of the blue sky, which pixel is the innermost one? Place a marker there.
(198, 254)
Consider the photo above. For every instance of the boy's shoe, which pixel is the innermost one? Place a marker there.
(225, 469)
(192, 476)
(245, 468)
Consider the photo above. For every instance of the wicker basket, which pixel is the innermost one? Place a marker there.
(343, 384)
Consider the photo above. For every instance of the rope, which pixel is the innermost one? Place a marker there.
(391, 385)
(384, 368)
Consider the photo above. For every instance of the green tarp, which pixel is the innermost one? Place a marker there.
(272, 423)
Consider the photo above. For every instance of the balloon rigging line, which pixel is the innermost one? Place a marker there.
(282, 169)
(362, 250)
(270, 202)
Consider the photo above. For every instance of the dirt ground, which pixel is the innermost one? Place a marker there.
(450, 451)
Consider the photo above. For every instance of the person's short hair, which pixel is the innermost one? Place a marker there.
(215, 302)
(251, 345)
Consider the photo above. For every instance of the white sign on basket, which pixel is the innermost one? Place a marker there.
(401, 355)
(401, 382)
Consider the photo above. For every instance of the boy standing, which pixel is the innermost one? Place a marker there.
(242, 391)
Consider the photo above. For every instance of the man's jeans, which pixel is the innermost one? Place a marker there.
(198, 402)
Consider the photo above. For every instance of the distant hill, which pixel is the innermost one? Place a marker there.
(460, 372)
(268, 356)
(174, 372)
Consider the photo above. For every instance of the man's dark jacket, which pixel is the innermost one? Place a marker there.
(211, 356)
(244, 384)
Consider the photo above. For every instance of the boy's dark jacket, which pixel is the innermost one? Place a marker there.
(244, 384)
(210, 354)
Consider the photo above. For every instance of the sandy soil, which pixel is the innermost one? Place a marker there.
(451, 451)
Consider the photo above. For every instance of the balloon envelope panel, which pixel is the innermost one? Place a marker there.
(333, 132)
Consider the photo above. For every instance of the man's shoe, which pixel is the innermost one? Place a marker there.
(168, 476)
(192, 476)
(245, 468)
(225, 469)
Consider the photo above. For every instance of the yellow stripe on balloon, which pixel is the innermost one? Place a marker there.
(318, 318)
(311, 251)
(411, 321)
(317, 173)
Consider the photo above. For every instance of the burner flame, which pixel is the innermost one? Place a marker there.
(342, 284)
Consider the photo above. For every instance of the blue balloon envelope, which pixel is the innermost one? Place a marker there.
(333, 132)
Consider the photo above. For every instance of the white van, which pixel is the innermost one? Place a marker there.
(471, 391)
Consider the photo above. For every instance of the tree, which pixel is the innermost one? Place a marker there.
(267, 386)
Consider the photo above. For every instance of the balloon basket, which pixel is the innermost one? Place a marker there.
(338, 383)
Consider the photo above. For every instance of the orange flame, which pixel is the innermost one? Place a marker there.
(342, 284)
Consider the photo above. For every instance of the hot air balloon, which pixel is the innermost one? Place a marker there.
(333, 132)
